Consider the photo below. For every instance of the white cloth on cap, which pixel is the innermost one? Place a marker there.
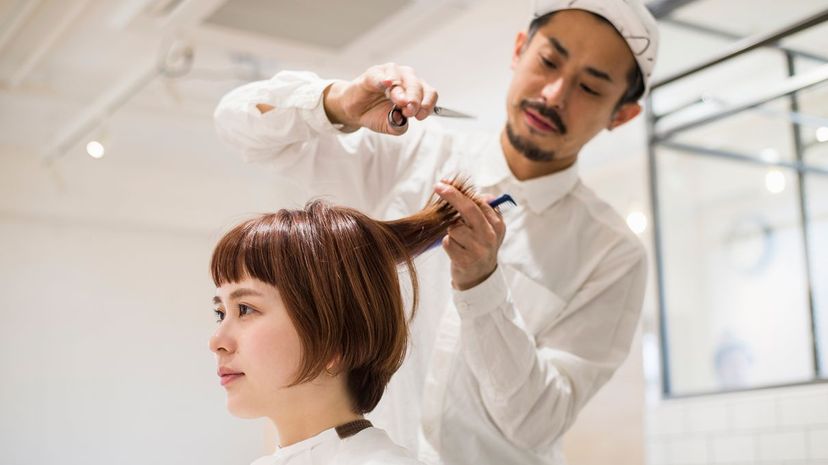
(631, 19)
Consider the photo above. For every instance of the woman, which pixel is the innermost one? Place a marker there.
(312, 324)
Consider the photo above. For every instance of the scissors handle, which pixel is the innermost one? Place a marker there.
(396, 118)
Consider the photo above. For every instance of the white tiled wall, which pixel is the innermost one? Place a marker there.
(783, 426)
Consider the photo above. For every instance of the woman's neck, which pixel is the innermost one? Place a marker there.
(313, 407)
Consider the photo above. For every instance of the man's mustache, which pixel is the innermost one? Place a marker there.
(546, 112)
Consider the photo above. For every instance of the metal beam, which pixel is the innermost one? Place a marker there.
(731, 36)
(746, 45)
(658, 244)
(805, 218)
(793, 84)
(663, 8)
(45, 46)
(186, 16)
(15, 23)
(797, 166)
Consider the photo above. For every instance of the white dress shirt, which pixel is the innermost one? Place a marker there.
(371, 446)
(497, 373)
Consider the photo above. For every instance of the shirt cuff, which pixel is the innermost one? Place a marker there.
(483, 298)
(316, 116)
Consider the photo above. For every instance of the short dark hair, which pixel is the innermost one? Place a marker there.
(635, 80)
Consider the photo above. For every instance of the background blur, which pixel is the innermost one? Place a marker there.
(114, 188)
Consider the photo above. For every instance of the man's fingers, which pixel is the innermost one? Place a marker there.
(463, 236)
(413, 87)
(468, 209)
(456, 252)
(429, 102)
(493, 217)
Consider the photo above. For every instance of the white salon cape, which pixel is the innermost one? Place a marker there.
(371, 446)
(495, 374)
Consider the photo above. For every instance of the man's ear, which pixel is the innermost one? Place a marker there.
(623, 114)
(520, 42)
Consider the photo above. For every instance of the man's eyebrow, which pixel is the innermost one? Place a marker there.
(559, 47)
(599, 74)
(243, 292)
(590, 70)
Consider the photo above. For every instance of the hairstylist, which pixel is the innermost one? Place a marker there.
(519, 326)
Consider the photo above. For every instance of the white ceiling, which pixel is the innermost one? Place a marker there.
(67, 59)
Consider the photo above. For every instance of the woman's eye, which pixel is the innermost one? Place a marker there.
(245, 310)
(589, 90)
(219, 315)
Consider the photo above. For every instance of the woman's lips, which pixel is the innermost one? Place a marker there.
(538, 123)
(230, 377)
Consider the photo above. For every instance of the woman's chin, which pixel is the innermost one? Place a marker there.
(242, 410)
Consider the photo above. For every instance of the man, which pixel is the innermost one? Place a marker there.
(524, 316)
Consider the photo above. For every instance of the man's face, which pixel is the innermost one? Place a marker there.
(567, 82)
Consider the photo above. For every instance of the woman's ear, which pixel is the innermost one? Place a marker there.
(334, 366)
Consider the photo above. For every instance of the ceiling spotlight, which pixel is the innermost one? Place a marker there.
(770, 155)
(95, 149)
(637, 221)
(822, 134)
(775, 181)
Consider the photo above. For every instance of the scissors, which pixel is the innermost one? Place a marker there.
(398, 120)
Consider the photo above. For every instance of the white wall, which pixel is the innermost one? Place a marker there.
(107, 308)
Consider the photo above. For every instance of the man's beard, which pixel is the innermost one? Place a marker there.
(527, 148)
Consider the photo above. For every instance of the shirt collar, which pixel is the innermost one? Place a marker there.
(537, 194)
(329, 435)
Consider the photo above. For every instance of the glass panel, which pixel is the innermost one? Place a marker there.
(817, 202)
(813, 105)
(769, 128)
(734, 274)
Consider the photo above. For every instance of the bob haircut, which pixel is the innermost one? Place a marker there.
(336, 271)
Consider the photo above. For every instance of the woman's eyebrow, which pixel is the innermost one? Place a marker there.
(243, 292)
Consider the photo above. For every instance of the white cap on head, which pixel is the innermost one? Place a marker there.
(630, 17)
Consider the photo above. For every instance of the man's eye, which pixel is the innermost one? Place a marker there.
(244, 310)
(219, 315)
(548, 63)
(589, 90)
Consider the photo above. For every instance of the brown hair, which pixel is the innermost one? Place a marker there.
(336, 271)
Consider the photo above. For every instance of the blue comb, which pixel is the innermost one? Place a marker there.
(496, 204)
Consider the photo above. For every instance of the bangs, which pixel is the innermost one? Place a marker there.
(249, 250)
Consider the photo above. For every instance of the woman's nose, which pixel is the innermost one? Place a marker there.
(222, 340)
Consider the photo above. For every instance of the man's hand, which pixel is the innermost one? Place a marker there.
(472, 246)
(366, 101)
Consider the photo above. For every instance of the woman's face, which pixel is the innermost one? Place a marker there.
(257, 347)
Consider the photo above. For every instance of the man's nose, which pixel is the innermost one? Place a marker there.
(556, 93)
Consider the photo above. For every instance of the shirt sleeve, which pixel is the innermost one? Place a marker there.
(297, 140)
(534, 387)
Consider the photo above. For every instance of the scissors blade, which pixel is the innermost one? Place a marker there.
(449, 113)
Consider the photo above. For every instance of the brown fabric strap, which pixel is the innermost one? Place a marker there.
(351, 428)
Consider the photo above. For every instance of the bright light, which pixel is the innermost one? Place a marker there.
(822, 134)
(770, 155)
(95, 149)
(775, 181)
(637, 221)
